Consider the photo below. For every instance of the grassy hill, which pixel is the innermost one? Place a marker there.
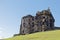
(48, 35)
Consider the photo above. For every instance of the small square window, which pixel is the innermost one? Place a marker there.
(32, 18)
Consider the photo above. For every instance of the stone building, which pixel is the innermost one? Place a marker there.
(43, 21)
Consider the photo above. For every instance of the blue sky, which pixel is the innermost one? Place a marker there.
(11, 12)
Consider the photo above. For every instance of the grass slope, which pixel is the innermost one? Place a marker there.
(48, 35)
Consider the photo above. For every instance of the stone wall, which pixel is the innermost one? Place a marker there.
(43, 21)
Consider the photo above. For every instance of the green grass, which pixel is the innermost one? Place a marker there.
(48, 35)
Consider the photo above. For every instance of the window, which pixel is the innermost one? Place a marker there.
(24, 24)
(23, 31)
(43, 17)
(29, 23)
(32, 18)
(47, 23)
(42, 23)
(33, 24)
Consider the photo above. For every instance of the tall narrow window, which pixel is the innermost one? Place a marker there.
(23, 31)
(32, 24)
(24, 24)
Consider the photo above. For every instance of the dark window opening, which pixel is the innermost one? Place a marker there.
(32, 18)
(50, 20)
(47, 23)
(23, 31)
(29, 23)
(42, 23)
(33, 24)
(43, 17)
(24, 24)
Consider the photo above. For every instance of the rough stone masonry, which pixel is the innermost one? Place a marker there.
(43, 21)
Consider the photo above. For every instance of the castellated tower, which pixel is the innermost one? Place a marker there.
(43, 21)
